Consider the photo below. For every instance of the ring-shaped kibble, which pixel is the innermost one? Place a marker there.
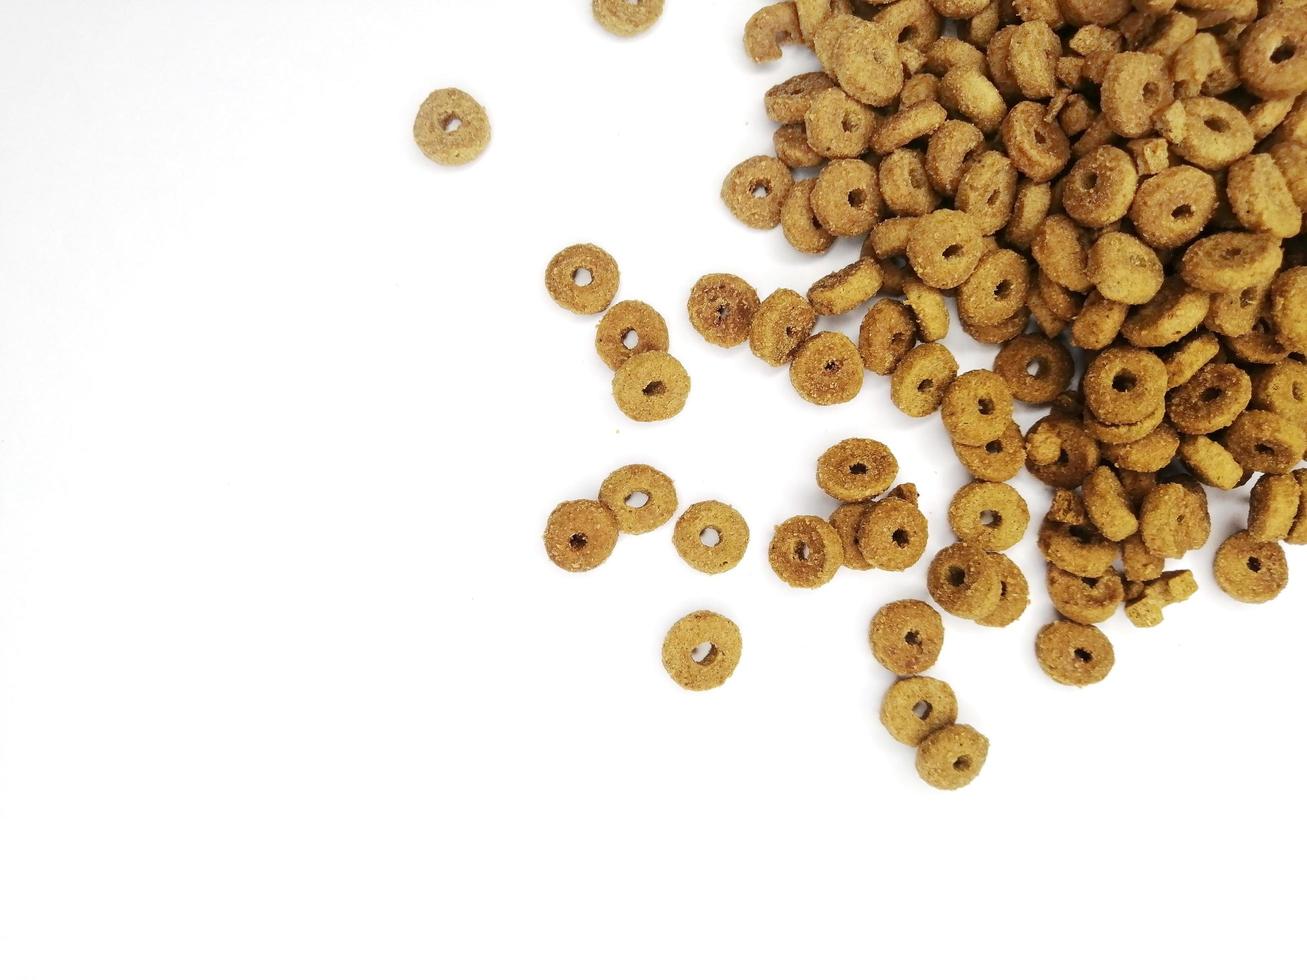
(1173, 520)
(1152, 453)
(997, 289)
(1060, 452)
(996, 60)
(1273, 506)
(904, 186)
(1085, 599)
(1100, 187)
(1059, 300)
(977, 407)
(1004, 330)
(920, 379)
(1108, 505)
(968, 93)
(1249, 570)
(928, 309)
(1172, 208)
(887, 334)
(1124, 269)
(1273, 54)
(999, 459)
(1282, 389)
(837, 126)
(889, 239)
(1117, 435)
(915, 707)
(451, 127)
(946, 52)
(627, 329)
(906, 636)
(783, 322)
(1215, 133)
(1048, 322)
(913, 23)
(1298, 533)
(582, 279)
(1170, 316)
(1124, 384)
(828, 34)
(789, 101)
(1135, 87)
(844, 290)
(651, 387)
(1259, 346)
(846, 197)
(919, 88)
(963, 581)
(805, 552)
(711, 537)
(640, 497)
(1292, 161)
(1013, 594)
(987, 191)
(856, 470)
(1138, 564)
(702, 650)
(1073, 653)
(802, 229)
(1032, 59)
(580, 535)
(626, 18)
(1036, 146)
(1259, 196)
(1190, 356)
(1030, 207)
(1061, 248)
(1167, 36)
(847, 521)
(992, 516)
(1288, 307)
(1099, 322)
(721, 308)
(952, 757)
(769, 28)
(1036, 368)
(1211, 463)
(950, 150)
(893, 534)
(827, 369)
(907, 125)
(1263, 442)
(865, 61)
(1076, 548)
(791, 144)
(944, 248)
(755, 190)
(1209, 401)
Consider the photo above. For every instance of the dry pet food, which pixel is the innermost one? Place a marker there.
(914, 707)
(582, 278)
(580, 535)
(906, 637)
(626, 17)
(640, 497)
(651, 387)
(451, 127)
(711, 536)
(702, 650)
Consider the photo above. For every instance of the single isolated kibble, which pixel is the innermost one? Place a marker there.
(580, 535)
(914, 707)
(856, 470)
(582, 279)
(907, 636)
(651, 387)
(711, 536)
(1250, 570)
(756, 189)
(721, 308)
(952, 757)
(640, 497)
(702, 650)
(451, 127)
(626, 18)
(627, 329)
(805, 552)
(1073, 653)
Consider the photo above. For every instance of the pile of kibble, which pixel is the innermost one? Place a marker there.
(1113, 195)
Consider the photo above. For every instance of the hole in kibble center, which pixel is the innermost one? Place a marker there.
(925, 384)
(704, 654)
(953, 251)
(582, 276)
(1210, 394)
(962, 763)
(636, 500)
(577, 541)
(1247, 297)
(1283, 52)
(1040, 138)
(831, 367)
(1083, 655)
(857, 197)
(991, 518)
(1089, 179)
(1254, 563)
(1216, 124)
(801, 551)
(759, 188)
(653, 389)
(1082, 534)
(1062, 457)
(922, 710)
(723, 312)
(451, 124)
(630, 340)
(710, 537)
(912, 638)
(956, 576)
(1037, 368)
(1003, 289)
(993, 447)
(1124, 381)
(1264, 449)
(1150, 91)
(907, 34)
(858, 469)
(1182, 212)
(985, 406)
(901, 537)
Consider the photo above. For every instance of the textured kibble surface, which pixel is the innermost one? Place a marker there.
(711, 536)
(651, 387)
(451, 127)
(952, 756)
(627, 17)
(582, 278)
(580, 535)
(907, 636)
(1073, 653)
(805, 552)
(640, 497)
(914, 707)
(702, 650)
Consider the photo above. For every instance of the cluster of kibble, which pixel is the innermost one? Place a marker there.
(1127, 178)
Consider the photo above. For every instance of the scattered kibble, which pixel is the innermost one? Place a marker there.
(451, 127)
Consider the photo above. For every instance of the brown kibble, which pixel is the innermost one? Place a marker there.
(1215, 133)
(893, 534)
(1100, 187)
(1273, 54)
(837, 126)
(1250, 571)
(928, 310)
(1188, 357)
(626, 18)
(951, 149)
(887, 334)
(580, 535)
(998, 460)
(702, 650)
(805, 552)
(1077, 548)
(1145, 609)
(846, 198)
(1259, 195)
(711, 536)
(915, 707)
(756, 189)
(845, 289)
(791, 144)
(788, 102)
(1289, 308)
(977, 407)
(1124, 385)
(1013, 594)
(865, 62)
(451, 127)
(1085, 599)
(640, 497)
(826, 369)
(906, 637)
(1061, 248)
(1211, 463)
(1073, 653)
(1124, 269)
(1264, 442)
(1060, 452)
(952, 757)
(1173, 520)
(1035, 368)
(944, 248)
(1209, 401)
(782, 322)
(1273, 506)
(582, 279)
(769, 28)
(1172, 207)
(721, 309)
(1135, 88)
(856, 470)
(1099, 322)
(996, 291)
(964, 581)
(847, 521)
(920, 379)
(802, 229)
(904, 185)
(628, 329)
(1036, 145)
(991, 516)
(966, 92)
(651, 387)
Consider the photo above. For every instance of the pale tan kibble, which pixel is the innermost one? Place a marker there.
(702, 650)
(626, 18)
(914, 707)
(451, 127)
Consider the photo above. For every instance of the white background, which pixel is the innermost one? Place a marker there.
(287, 686)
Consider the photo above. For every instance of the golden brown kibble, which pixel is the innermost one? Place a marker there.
(782, 322)
(856, 470)
(827, 369)
(627, 329)
(722, 308)
(893, 534)
(582, 279)
(756, 189)
(769, 28)
(640, 497)
(702, 650)
(952, 757)
(451, 127)
(580, 535)
(915, 707)
(906, 636)
(651, 387)
(805, 552)
(1250, 571)
(964, 581)
(626, 18)
(711, 537)
(992, 516)
(1074, 654)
